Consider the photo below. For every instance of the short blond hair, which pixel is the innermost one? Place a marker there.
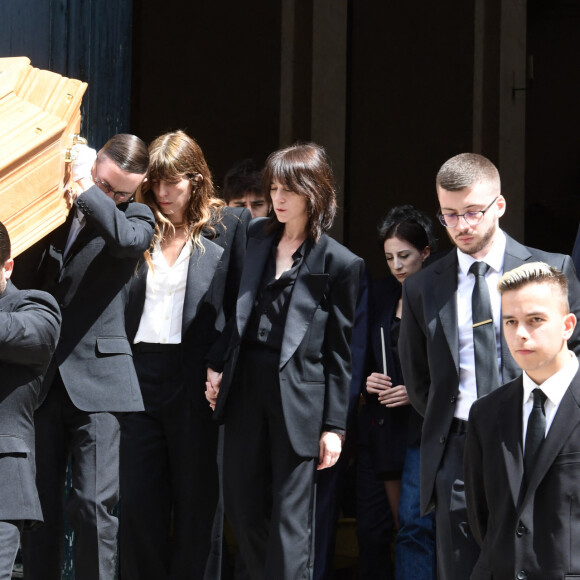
(535, 273)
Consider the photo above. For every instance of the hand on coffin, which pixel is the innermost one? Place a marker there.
(83, 160)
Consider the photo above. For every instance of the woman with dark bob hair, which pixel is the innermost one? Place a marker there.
(393, 426)
(168, 452)
(284, 390)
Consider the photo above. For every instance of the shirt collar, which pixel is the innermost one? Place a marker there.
(184, 255)
(554, 387)
(494, 258)
(80, 217)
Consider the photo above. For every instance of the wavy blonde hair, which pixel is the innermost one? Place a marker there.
(173, 156)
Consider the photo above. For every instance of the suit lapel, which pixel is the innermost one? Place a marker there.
(446, 296)
(566, 420)
(509, 424)
(200, 273)
(86, 234)
(306, 296)
(136, 300)
(59, 238)
(257, 253)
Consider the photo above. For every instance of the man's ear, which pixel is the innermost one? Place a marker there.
(569, 325)
(8, 267)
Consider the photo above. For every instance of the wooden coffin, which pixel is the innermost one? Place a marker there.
(39, 119)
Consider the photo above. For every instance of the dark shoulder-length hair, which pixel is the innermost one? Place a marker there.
(304, 168)
(409, 224)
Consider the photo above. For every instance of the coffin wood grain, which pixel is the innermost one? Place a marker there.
(39, 115)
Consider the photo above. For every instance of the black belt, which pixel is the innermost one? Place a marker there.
(155, 347)
(458, 426)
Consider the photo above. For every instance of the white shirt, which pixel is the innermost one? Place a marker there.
(554, 388)
(465, 284)
(164, 296)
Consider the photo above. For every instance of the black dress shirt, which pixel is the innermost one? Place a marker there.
(268, 318)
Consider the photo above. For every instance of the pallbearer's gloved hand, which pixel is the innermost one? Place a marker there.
(83, 160)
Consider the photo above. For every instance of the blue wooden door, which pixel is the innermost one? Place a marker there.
(85, 39)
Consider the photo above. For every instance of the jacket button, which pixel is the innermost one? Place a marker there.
(453, 399)
(522, 575)
(381, 421)
(442, 439)
(521, 530)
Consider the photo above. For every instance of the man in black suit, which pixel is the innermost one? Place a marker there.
(87, 268)
(437, 342)
(522, 455)
(29, 328)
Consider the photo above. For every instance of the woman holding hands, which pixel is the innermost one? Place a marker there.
(285, 385)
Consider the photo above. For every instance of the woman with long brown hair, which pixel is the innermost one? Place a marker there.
(168, 463)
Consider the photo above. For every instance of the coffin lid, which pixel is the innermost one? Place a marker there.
(39, 115)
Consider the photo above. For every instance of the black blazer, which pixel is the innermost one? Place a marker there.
(229, 232)
(200, 310)
(315, 363)
(91, 286)
(429, 347)
(538, 531)
(29, 328)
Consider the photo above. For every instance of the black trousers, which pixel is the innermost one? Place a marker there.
(169, 485)
(91, 440)
(374, 518)
(457, 550)
(9, 543)
(269, 491)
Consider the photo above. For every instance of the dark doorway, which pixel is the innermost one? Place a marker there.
(553, 125)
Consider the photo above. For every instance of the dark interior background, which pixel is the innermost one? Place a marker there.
(422, 83)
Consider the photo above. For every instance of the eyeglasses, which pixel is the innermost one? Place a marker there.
(472, 218)
(106, 188)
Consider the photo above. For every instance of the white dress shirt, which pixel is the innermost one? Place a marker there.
(554, 388)
(164, 296)
(465, 284)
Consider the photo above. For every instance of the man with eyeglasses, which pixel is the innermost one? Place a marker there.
(451, 345)
(87, 267)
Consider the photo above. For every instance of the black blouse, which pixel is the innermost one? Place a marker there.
(268, 318)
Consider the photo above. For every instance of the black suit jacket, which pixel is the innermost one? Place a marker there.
(29, 328)
(429, 347)
(536, 531)
(229, 231)
(91, 286)
(315, 363)
(201, 306)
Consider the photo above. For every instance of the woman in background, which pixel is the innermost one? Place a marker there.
(168, 452)
(407, 238)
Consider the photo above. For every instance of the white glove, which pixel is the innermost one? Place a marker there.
(83, 160)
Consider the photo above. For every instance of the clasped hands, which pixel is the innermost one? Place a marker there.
(329, 446)
(381, 385)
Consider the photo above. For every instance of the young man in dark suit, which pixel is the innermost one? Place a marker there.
(29, 328)
(451, 345)
(522, 455)
(87, 267)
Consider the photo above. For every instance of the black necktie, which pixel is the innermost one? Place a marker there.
(484, 342)
(535, 431)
